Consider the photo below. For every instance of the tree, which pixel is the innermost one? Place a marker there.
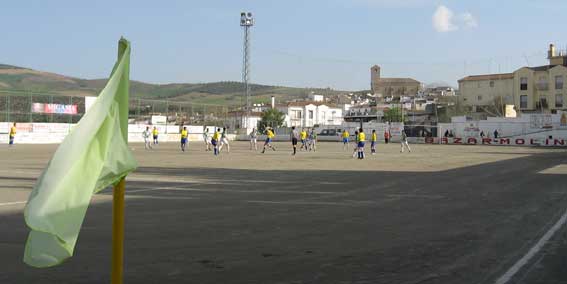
(393, 115)
(272, 118)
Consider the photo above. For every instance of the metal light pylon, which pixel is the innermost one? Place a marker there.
(246, 21)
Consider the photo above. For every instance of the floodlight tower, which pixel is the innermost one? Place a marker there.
(246, 21)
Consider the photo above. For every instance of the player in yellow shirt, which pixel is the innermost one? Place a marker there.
(373, 142)
(269, 137)
(184, 135)
(361, 140)
(155, 133)
(303, 135)
(12, 133)
(345, 136)
(215, 140)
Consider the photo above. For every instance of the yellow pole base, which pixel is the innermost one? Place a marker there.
(118, 233)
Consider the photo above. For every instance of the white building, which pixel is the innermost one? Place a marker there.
(316, 98)
(237, 119)
(440, 91)
(309, 114)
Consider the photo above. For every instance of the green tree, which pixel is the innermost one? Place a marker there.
(393, 115)
(271, 117)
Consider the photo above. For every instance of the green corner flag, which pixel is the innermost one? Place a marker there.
(92, 157)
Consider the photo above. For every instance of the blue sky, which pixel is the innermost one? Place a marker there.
(309, 43)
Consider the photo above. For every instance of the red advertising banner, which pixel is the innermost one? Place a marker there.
(517, 141)
(54, 108)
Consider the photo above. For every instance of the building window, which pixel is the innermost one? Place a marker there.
(295, 114)
(559, 101)
(542, 83)
(523, 101)
(492, 84)
(558, 82)
(479, 98)
(523, 83)
(310, 114)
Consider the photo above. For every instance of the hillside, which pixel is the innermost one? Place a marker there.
(13, 78)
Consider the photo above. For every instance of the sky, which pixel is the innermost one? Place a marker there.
(300, 43)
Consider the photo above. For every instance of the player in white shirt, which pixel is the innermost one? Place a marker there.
(147, 134)
(207, 140)
(254, 139)
(224, 140)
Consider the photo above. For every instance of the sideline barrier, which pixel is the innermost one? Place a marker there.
(554, 141)
(53, 133)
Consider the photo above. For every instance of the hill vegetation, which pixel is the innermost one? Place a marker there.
(17, 80)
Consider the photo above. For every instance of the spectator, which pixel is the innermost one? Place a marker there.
(495, 133)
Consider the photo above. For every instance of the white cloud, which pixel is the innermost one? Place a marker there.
(469, 20)
(443, 20)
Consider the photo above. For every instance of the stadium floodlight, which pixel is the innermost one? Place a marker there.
(246, 19)
(246, 22)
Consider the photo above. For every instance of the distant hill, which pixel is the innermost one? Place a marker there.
(438, 84)
(15, 78)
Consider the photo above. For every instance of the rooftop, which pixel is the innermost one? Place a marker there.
(398, 80)
(543, 68)
(501, 76)
(304, 103)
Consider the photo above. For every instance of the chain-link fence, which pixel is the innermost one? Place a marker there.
(27, 106)
(30, 106)
(180, 112)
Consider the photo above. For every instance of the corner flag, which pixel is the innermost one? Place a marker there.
(92, 157)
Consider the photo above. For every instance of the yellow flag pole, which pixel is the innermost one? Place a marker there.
(118, 232)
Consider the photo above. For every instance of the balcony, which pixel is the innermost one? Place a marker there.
(542, 86)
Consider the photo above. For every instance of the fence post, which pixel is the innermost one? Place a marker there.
(31, 107)
(51, 102)
(8, 108)
(226, 120)
(138, 110)
(70, 114)
(179, 113)
(166, 113)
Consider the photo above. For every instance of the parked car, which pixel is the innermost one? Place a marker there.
(329, 132)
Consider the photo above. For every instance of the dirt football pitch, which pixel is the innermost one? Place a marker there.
(440, 214)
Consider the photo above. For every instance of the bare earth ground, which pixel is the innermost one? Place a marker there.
(442, 214)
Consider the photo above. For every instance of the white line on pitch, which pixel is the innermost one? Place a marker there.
(312, 203)
(532, 252)
(12, 203)
(159, 178)
(159, 197)
(425, 196)
(229, 191)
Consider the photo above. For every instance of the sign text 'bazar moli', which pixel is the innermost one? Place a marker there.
(513, 141)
